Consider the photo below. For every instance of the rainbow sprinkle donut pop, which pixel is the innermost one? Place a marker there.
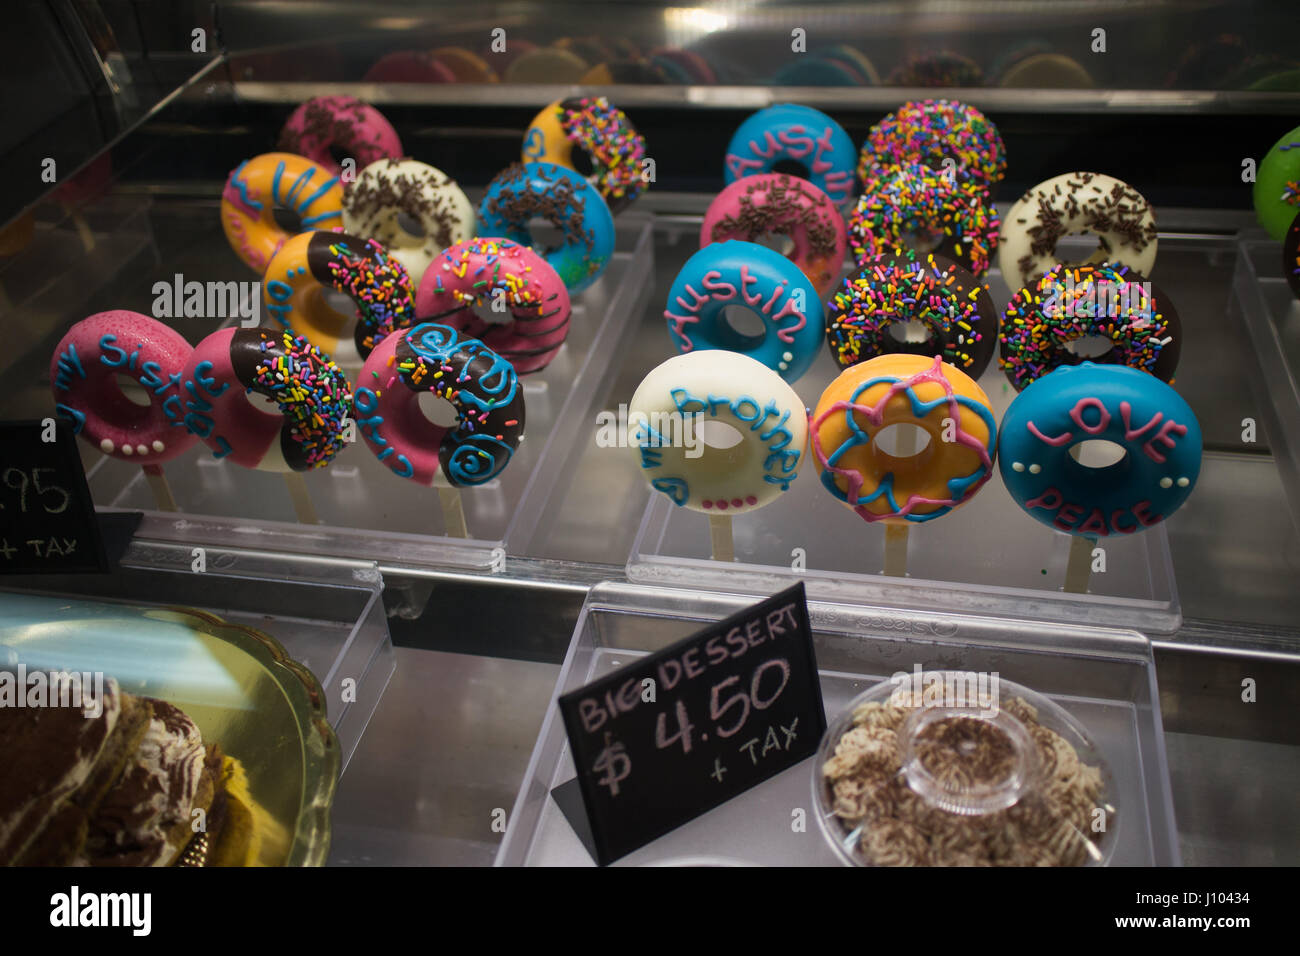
(1151, 422)
(933, 131)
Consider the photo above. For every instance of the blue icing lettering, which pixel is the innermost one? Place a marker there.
(477, 459)
(533, 142)
(171, 413)
(407, 471)
(149, 376)
(683, 398)
(77, 418)
(225, 448)
(674, 488)
(106, 345)
(68, 364)
(207, 381)
(738, 403)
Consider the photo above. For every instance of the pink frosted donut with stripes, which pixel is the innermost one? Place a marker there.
(349, 125)
(486, 273)
(83, 377)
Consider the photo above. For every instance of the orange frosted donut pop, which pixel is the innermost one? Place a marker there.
(903, 390)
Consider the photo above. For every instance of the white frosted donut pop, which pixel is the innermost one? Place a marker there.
(714, 385)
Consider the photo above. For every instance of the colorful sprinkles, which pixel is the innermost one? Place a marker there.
(1073, 302)
(378, 284)
(615, 147)
(312, 392)
(930, 131)
(902, 203)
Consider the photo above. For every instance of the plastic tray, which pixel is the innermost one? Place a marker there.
(327, 614)
(1104, 678)
(986, 557)
(365, 511)
(1270, 312)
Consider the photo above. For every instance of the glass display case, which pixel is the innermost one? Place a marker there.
(130, 117)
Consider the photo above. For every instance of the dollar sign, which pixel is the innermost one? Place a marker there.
(614, 763)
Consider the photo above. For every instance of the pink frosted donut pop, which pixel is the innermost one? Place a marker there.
(473, 273)
(83, 377)
(349, 125)
(313, 396)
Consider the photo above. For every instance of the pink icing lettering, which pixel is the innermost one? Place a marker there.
(796, 145)
(1126, 415)
(1096, 523)
(838, 185)
(1049, 499)
(1162, 436)
(720, 290)
(824, 145)
(786, 335)
(1077, 414)
(1067, 516)
(1140, 512)
(698, 300)
(738, 165)
(769, 141)
(679, 328)
(1056, 442)
(1114, 522)
(745, 280)
(767, 308)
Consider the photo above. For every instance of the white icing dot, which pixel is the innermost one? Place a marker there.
(158, 445)
(142, 449)
(782, 366)
(1166, 482)
(1017, 466)
(1035, 469)
(1184, 482)
(788, 356)
(128, 450)
(106, 446)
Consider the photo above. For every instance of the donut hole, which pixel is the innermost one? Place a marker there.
(1076, 248)
(790, 167)
(902, 440)
(909, 332)
(923, 239)
(742, 328)
(438, 410)
(338, 301)
(263, 403)
(543, 235)
(715, 434)
(410, 225)
(1098, 453)
(776, 240)
(339, 153)
(1090, 346)
(582, 163)
(288, 220)
(131, 390)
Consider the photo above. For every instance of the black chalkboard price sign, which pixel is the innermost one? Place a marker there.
(678, 732)
(47, 517)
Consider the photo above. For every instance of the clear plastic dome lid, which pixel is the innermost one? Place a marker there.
(949, 768)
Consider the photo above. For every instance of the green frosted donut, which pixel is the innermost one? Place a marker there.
(1277, 199)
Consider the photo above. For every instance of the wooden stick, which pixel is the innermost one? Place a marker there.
(724, 546)
(453, 510)
(896, 550)
(162, 492)
(1078, 568)
(302, 506)
(84, 231)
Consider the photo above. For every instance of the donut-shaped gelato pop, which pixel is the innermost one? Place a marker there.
(389, 189)
(953, 308)
(603, 132)
(746, 274)
(294, 282)
(1071, 303)
(313, 395)
(259, 185)
(780, 205)
(1276, 192)
(914, 203)
(83, 378)
(492, 273)
(344, 125)
(559, 196)
(903, 390)
(1116, 213)
(930, 132)
(479, 383)
(794, 134)
(687, 390)
(1147, 418)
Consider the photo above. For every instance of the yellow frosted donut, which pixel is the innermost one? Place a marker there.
(260, 184)
(894, 390)
(603, 132)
